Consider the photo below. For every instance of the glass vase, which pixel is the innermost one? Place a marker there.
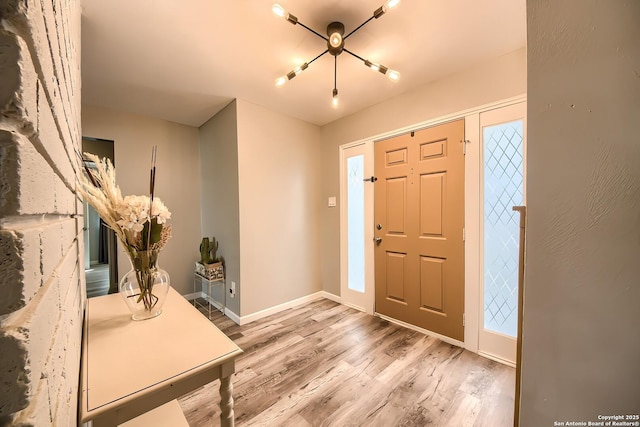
(144, 288)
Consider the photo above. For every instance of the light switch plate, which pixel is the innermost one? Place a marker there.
(332, 202)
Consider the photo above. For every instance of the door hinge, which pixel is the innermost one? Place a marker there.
(463, 319)
(464, 146)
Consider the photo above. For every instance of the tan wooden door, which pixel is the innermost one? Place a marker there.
(419, 219)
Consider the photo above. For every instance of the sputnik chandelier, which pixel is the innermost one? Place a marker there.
(335, 46)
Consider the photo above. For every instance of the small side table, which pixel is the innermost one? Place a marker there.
(215, 294)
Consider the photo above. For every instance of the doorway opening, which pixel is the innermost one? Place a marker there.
(100, 255)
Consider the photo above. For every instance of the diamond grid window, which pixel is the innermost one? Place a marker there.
(503, 189)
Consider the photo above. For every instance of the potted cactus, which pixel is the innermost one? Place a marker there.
(210, 266)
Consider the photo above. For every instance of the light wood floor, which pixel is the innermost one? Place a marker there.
(326, 364)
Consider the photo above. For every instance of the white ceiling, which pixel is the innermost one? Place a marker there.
(183, 61)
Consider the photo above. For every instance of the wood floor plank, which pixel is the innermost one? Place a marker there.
(303, 397)
(325, 364)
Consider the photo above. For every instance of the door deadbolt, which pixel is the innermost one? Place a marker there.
(379, 226)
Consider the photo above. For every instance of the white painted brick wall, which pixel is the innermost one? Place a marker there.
(20, 274)
(29, 189)
(26, 104)
(42, 293)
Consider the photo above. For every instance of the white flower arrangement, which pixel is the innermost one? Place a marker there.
(138, 227)
(140, 222)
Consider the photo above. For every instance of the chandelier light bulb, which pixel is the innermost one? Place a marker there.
(334, 100)
(279, 10)
(280, 81)
(335, 39)
(372, 65)
(300, 68)
(282, 13)
(335, 42)
(390, 4)
(393, 75)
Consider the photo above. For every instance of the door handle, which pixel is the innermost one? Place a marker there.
(377, 239)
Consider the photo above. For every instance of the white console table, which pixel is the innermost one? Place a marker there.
(131, 367)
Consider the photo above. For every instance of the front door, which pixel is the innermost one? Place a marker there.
(419, 219)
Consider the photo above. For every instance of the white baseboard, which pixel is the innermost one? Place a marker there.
(497, 359)
(243, 320)
(233, 316)
(278, 308)
(424, 331)
(332, 297)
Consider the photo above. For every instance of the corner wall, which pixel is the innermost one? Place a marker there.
(499, 79)
(41, 285)
(177, 182)
(219, 188)
(581, 344)
(279, 175)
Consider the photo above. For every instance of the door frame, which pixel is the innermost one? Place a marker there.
(472, 265)
(364, 302)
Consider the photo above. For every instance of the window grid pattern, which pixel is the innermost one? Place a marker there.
(503, 189)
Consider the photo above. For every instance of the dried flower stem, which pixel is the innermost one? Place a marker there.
(152, 185)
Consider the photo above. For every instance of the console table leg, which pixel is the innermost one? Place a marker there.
(226, 402)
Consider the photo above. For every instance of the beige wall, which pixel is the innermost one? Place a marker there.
(270, 219)
(581, 344)
(41, 270)
(177, 179)
(219, 188)
(499, 79)
(279, 188)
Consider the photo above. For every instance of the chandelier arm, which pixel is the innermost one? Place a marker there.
(358, 27)
(317, 57)
(335, 74)
(353, 54)
(313, 31)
